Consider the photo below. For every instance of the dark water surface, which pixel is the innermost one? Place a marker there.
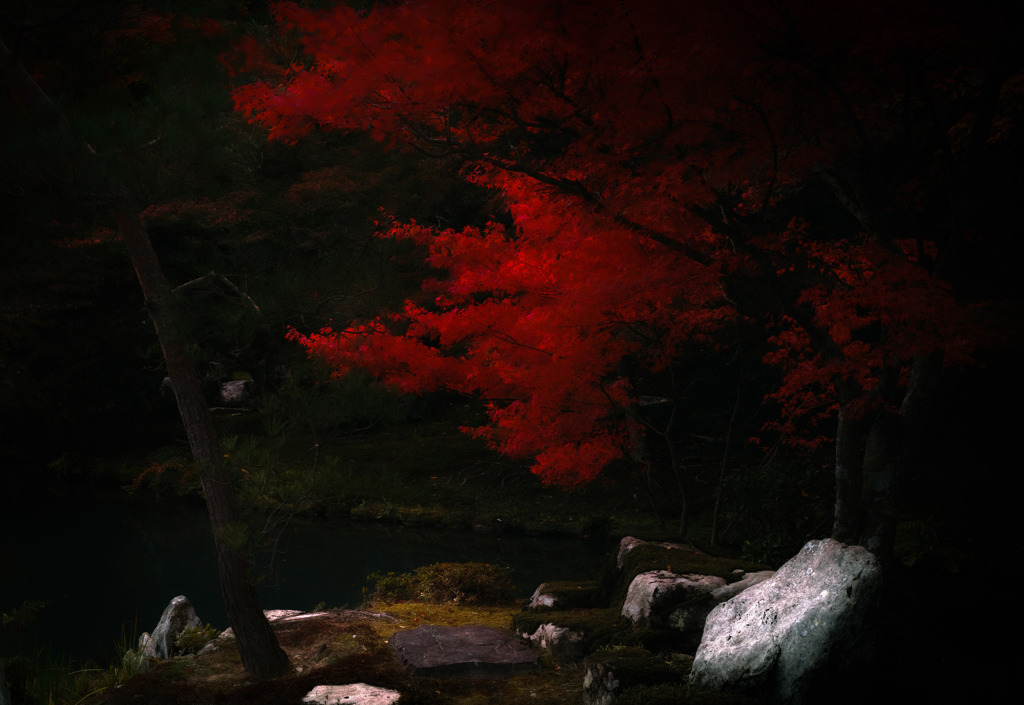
(107, 562)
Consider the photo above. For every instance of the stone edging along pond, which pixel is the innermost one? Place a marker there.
(365, 645)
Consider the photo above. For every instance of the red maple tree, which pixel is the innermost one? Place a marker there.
(670, 169)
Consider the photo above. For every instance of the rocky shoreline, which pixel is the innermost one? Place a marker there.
(635, 631)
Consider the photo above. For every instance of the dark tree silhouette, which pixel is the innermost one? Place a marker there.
(261, 654)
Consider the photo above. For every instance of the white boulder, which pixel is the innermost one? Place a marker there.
(804, 635)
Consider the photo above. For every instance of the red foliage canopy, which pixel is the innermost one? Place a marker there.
(650, 155)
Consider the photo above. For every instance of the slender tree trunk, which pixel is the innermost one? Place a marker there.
(849, 478)
(916, 409)
(867, 469)
(892, 449)
(881, 470)
(261, 654)
(724, 464)
(872, 455)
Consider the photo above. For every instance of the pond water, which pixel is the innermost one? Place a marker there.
(106, 562)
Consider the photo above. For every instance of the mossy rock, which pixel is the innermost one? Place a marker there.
(567, 595)
(678, 559)
(612, 671)
(465, 583)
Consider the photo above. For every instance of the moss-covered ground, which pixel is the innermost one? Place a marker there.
(346, 646)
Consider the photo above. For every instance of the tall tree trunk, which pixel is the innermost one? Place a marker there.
(261, 654)
(880, 474)
(849, 477)
(873, 454)
(257, 644)
(867, 469)
(919, 400)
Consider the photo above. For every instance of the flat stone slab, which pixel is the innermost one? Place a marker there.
(463, 652)
(352, 694)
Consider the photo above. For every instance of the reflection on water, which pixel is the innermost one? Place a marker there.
(107, 561)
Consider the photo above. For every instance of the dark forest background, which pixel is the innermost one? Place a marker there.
(259, 237)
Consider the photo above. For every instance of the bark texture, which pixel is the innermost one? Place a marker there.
(257, 644)
(261, 654)
(849, 474)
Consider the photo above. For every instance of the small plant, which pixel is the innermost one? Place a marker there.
(23, 616)
(127, 664)
(44, 678)
(445, 582)
(191, 639)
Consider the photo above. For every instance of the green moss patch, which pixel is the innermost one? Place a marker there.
(465, 583)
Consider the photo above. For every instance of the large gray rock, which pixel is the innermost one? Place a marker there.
(655, 594)
(690, 616)
(352, 694)
(463, 652)
(178, 615)
(804, 635)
